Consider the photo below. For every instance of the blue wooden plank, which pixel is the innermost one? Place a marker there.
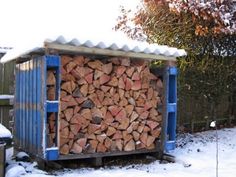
(52, 154)
(30, 102)
(170, 145)
(171, 107)
(28, 107)
(27, 91)
(20, 106)
(173, 71)
(52, 106)
(34, 101)
(23, 106)
(38, 119)
(52, 61)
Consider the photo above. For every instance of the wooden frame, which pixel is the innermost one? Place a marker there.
(107, 52)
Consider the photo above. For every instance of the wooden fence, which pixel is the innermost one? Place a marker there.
(195, 114)
(6, 88)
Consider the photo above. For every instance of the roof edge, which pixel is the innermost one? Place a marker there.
(108, 52)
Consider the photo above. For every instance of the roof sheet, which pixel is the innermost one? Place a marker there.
(4, 49)
(126, 46)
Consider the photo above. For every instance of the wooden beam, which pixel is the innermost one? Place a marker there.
(107, 52)
(109, 154)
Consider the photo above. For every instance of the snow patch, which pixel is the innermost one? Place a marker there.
(3, 97)
(21, 155)
(9, 153)
(14, 170)
(4, 132)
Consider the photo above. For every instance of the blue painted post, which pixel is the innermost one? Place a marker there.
(171, 107)
(53, 62)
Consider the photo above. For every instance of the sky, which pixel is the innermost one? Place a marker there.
(27, 20)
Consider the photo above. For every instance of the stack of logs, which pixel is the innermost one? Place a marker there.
(51, 120)
(106, 105)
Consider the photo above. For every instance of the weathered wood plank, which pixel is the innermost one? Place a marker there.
(97, 51)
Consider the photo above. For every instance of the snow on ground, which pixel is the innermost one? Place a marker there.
(195, 154)
(4, 132)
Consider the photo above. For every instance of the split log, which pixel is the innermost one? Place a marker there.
(101, 148)
(70, 66)
(79, 60)
(136, 135)
(82, 142)
(51, 93)
(101, 137)
(51, 80)
(125, 61)
(63, 124)
(64, 150)
(108, 143)
(130, 146)
(114, 110)
(76, 148)
(150, 140)
(69, 113)
(110, 131)
(95, 65)
(74, 128)
(120, 70)
(117, 135)
(130, 71)
(124, 123)
(107, 68)
(113, 82)
(119, 144)
(136, 76)
(129, 110)
(104, 79)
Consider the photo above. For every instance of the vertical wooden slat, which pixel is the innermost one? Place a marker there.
(34, 116)
(21, 105)
(38, 106)
(16, 110)
(24, 105)
(1, 78)
(30, 109)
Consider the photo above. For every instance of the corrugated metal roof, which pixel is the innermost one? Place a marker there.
(125, 47)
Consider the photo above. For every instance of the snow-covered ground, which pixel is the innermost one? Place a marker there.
(195, 154)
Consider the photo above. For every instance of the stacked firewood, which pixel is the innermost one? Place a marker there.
(108, 105)
(51, 117)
